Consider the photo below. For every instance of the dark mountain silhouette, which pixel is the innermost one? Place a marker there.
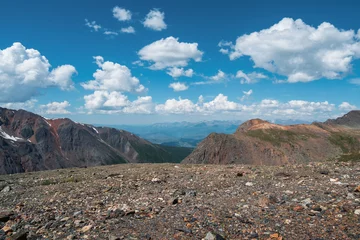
(29, 142)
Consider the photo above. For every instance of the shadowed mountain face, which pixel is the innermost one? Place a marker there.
(29, 142)
(263, 143)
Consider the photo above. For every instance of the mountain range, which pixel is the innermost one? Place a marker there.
(186, 134)
(29, 142)
(264, 143)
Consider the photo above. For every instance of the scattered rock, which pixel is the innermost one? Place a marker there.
(306, 202)
(20, 235)
(5, 215)
(6, 189)
(317, 208)
(298, 208)
(131, 212)
(213, 198)
(211, 236)
(174, 201)
(324, 172)
(86, 228)
(156, 180)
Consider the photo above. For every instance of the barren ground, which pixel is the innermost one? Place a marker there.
(168, 201)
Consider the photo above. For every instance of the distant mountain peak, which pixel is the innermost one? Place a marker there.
(257, 123)
(351, 119)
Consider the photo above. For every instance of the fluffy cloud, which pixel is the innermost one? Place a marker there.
(173, 106)
(24, 72)
(115, 102)
(219, 76)
(55, 108)
(142, 105)
(128, 30)
(355, 81)
(345, 106)
(169, 52)
(121, 14)
(267, 108)
(246, 95)
(178, 86)
(185, 106)
(178, 72)
(61, 77)
(224, 47)
(155, 20)
(113, 77)
(253, 77)
(220, 103)
(92, 25)
(27, 105)
(299, 51)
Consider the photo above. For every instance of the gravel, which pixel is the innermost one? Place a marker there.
(166, 201)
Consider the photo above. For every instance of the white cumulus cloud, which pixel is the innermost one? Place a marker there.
(113, 77)
(178, 86)
(107, 102)
(169, 52)
(299, 51)
(173, 106)
(24, 72)
(121, 14)
(178, 72)
(219, 76)
(155, 20)
(345, 106)
(185, 106)
(55, 108)
(253, 77)
(266, 109)
(128, 30)
(27, 105)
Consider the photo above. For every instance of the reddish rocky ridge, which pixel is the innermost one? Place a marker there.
(263, 143)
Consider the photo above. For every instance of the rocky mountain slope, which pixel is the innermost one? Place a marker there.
(29, 142)
(263, 143)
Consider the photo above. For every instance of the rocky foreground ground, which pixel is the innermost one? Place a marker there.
(167, 201)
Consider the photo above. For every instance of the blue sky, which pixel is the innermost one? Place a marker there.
(180, 60)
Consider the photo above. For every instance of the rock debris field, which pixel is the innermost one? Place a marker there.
(168, 201)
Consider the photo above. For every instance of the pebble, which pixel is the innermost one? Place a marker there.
(211, 236)
(6, 189)
(86, 228)
(357, 212)
(249, 184)
(156, 180)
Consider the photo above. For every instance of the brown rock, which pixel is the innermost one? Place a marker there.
(5, 215)
(86, 228)
(298, 208)
(20, 235)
